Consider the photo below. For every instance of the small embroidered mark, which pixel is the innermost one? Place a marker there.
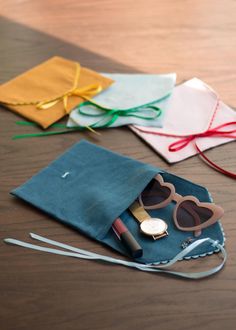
(65, 175)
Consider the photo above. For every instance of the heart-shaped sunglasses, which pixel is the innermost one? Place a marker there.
(189, 213)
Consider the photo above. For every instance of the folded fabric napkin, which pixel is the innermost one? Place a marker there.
(194, 113)
(133, 99)
(50, 90)
(88, 187)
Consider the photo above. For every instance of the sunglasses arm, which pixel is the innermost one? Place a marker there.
(197, 221)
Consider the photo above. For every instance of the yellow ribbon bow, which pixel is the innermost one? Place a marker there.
(85, 92)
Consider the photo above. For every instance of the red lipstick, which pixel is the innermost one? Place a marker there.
(127, 238)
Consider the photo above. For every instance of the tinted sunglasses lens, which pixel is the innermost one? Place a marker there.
(189, 214)
(154, 193)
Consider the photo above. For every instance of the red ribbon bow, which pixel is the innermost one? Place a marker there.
(215, 132)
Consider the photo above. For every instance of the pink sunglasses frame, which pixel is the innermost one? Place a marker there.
(217, 211)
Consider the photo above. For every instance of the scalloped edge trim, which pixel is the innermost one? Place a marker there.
(196, 256)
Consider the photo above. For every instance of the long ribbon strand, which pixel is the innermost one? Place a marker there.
(64, 131)
(83, 254)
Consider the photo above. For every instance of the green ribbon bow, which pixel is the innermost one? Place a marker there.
(110, 116)
(147, 111)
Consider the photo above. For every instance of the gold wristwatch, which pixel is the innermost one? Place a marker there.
(155, 227)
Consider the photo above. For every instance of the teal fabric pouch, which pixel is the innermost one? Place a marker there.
(88, 187)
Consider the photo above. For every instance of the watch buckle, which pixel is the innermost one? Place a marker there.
(156, 237)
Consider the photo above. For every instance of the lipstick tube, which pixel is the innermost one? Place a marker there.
(127, 238)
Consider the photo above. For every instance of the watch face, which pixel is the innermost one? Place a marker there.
(153, 226)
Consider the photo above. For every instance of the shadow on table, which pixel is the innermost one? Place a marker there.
(22, 48)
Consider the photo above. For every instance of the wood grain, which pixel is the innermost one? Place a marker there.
(39, 291)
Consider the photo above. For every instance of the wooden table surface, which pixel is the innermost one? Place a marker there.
(42, 291)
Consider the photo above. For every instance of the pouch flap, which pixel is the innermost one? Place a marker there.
(87, 187)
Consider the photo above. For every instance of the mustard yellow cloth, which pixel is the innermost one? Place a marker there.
(50, 90)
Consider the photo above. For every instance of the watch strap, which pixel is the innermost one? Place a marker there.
(138, 212)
